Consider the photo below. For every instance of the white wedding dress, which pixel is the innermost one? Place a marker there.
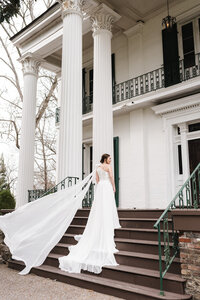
(96, 246)
(33, 230)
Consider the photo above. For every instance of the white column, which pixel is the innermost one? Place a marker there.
(70, 134)
(27, 139)
(58, 125)
(102, 94)
(184, 150)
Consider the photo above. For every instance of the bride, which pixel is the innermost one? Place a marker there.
(33, 230)
(96, 246)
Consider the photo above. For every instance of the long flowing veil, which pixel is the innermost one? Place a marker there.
(32, 230)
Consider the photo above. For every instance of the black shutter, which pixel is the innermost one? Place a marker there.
(91, 85)
(83, 91)
(170, 56)
(113, 76)
(116, 168)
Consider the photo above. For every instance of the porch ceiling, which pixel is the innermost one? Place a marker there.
(44, 35)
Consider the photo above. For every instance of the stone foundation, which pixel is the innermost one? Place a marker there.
(5, 254)
(190, 262)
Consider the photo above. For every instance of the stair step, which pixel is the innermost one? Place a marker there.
(127, 233)
(141, 213)
(139, 233)
(134, 259)
(144, 246)
(125, 222)
(112, 287)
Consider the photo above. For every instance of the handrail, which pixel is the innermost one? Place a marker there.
(175, 197)
(191, 199)
(35, 194)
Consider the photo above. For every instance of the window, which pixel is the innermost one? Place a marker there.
(194, 127)
(188, 45)
(180, 165)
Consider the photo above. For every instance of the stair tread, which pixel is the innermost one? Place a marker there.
(125, 253)
(130, 287)
(143, 290)
(146, 272)
(131, 241)
(130, 209)
(123, 228)
(127, 218)
(129, 269)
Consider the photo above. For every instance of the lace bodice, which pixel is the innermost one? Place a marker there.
(103, 175)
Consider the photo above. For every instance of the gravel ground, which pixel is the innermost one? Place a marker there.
(32, 287)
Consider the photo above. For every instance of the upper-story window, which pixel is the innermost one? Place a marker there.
(189, 41)
(188, 45)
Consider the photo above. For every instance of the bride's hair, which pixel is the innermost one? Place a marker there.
(103, 157)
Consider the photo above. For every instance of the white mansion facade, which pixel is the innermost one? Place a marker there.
(127, 87)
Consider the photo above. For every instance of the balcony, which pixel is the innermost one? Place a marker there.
(143, 84)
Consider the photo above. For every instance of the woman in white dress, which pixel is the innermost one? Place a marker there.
(96, 246)
(33, 229)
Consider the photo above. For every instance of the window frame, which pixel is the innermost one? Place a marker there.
(196, 35)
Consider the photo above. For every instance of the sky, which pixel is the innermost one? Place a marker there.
(9, 149)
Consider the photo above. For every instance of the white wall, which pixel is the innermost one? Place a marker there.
(142, 159)
(142, 145)
(142, 165)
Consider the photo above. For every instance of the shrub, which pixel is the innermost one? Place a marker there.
(7, 200)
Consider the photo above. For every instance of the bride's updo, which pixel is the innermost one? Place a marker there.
(104, 157)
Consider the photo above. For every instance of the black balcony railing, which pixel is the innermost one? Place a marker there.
(140, 85)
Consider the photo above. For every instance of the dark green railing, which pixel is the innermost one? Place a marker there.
(89, 197)
(140, 85)
(188, 197)
(67, 182)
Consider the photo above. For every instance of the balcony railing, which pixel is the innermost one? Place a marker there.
(143, 84)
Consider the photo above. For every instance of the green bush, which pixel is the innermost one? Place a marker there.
(6, 200)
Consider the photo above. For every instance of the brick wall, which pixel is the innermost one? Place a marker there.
(190, 262)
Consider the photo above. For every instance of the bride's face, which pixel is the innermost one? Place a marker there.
(108, 161)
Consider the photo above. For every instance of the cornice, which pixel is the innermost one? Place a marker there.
(180, 105)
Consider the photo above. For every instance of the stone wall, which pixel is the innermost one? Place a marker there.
(190, 262)
(5, 254)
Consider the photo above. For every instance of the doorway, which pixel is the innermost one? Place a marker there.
(87, 163)
(194, 153)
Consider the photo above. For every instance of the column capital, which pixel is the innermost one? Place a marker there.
(71, 7)
(102, 18)
(30, 64)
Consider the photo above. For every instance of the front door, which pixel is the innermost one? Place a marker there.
(87, 158)
(194, 159)
(194, 153)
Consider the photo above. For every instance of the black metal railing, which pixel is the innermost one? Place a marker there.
(140, 85)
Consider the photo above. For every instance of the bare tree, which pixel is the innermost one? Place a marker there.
(11, 76)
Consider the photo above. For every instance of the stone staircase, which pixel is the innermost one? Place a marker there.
(136, 277)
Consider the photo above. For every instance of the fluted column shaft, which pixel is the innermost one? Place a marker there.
(57, 128)
(102, 94)
(27, 139)
(70, 138)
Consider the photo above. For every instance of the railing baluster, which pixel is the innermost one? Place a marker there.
(160, 261)
(141, 84)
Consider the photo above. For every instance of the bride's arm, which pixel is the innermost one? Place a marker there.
(97, 177)
(111, 177)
